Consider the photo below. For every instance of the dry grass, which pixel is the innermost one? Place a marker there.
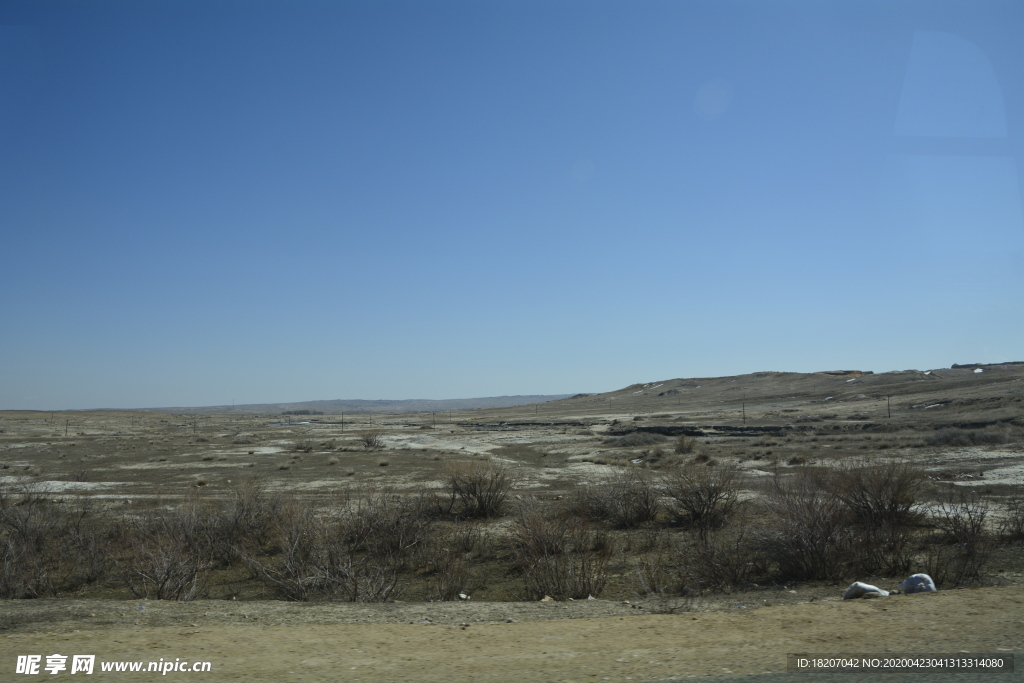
(966, 437)
(634, 440)
(685, 445)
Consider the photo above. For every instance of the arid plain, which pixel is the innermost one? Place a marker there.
(488, 511)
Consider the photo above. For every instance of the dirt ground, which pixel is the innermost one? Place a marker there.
(509, 641)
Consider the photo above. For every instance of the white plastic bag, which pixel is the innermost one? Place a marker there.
(859, 590)
(918, 583)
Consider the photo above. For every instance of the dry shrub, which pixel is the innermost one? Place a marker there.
(808, 535)
(1011, 526)
(961, 548)
(704, 496)
(246, 522)
(885, 549)
(448, 558)
(558, 556)
(318, 559)
(685, 445)
(880, 495)
(723, 559)
(625, 500)
(168, 553)
(372, 440)
(966, 437)
(390, 529)
(881, 500)
(480, 489)
(661, 580)
(855, 519)
(47, 548)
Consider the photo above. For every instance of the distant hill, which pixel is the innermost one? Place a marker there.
(337, 406)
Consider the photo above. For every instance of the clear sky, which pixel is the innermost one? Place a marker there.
(207, 202)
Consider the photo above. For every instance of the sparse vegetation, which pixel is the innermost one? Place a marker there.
(966, 437)
(961, 546)
(634, 440)
(1011, 527)
(168, 553)
(558, 556)
(478, 489)
(685, 445)
(624, 500)
(372, 440)
(703, 496)
(671, 508)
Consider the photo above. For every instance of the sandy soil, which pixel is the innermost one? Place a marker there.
(454, 646)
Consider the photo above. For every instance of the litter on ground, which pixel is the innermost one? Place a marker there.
(918, 583)
(863, 590)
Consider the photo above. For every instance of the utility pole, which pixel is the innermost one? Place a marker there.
(66, 427)
(744, 412)
(888, 407)
(433, 420)
(343, 422)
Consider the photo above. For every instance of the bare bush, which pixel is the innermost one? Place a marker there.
(703, 496)
(723, 559)
(481, 489)
(47, 548)
(808, 535)
(168, 554)
(685, 445)
(245, 523)
(961, 548)
(661, 579)
(372, 440)
(448, 560)
(962, 519)
(880, 495)
(625, 500)
(1011, 526)
(884, 549)
(559, 557)
(390, 529)
(317, 561)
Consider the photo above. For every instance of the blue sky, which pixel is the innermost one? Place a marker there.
(207, 202)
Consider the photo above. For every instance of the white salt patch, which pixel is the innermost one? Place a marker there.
(1001, 475)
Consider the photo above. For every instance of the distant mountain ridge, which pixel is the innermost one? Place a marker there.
(337, 406)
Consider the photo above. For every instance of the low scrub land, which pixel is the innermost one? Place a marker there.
(677, 497)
